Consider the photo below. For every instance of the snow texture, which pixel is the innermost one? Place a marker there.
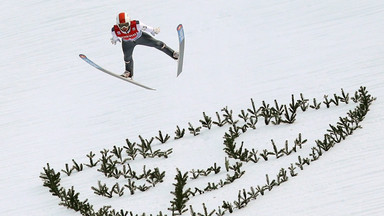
(55, 108)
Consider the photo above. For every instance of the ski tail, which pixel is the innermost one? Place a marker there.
(180, 31)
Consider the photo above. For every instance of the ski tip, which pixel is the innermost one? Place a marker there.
(179, 27)
(82, 56)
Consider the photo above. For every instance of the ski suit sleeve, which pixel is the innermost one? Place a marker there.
(149, 29)
(114, 38)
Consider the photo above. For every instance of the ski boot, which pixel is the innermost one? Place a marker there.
(176, 55)
(127, 75)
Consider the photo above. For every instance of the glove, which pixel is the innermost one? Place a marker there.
(155, 31)
(114, 40)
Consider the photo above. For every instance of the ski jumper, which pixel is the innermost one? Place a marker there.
(137, 35)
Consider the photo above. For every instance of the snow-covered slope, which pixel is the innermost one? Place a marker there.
(55, 108)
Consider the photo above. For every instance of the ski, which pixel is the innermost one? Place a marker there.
(82, 56)
(180, 31)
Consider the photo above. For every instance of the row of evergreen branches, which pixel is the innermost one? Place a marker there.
(253, 155)
(152, 177)
(336, 134)
(110, 159)
(276, 114)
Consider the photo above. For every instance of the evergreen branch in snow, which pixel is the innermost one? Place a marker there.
(179, 133)
(163, 139)
(206, 122)
(192, 130)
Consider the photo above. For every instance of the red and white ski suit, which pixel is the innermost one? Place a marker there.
(135, 32)
(138, 35)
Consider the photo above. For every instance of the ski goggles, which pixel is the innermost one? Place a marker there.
(124, 26)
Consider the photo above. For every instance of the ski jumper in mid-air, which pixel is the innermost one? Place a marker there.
(132, 33)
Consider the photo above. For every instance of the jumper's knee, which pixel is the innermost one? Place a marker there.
(160, 45)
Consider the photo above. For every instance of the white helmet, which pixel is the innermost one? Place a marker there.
(122, 18)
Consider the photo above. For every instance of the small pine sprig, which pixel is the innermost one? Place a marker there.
(266, 113)
(211, 187)
(228, 115)
(181, 198)
(215, 168)
(67, 170)
(163, 139)
(131, 186)
(108, 166)
(143, 187)
(245, 116)
(292, 170)
(365, 99)
(77, 167)
(277, 112)
(260, 190)
(316, 153)
(303, 103)
(253, 111)
(302, 161)
(118, 190)
(290, 115)
(282, 176)
(179, 133)
(102, 190)
(131, 149)
(206, 212)
(326, 101)
(91, 162)
(219, 122)
(192, 212)
(242, 199)
(346, 124)
(227, 206)
(326, 144)
(299, 141)
(155, 177)
(160, 154)
(286, 149)
(279, 108)
(206, 122)
(118, 213)
(220, 212)
(253, 156)
(294, 105)
(315, 105)
(265, 154)
(238, 173)
(192, 130)
(145, 147)
(70, 199)
(230, 147)
(335, 100)
(344, 97)
(51, 180)
(117, 151)
(270, 184)
(276, 152)
(253, 193)
(336, 133)
(252, 123)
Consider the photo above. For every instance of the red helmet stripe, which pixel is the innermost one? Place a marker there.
(122, 18)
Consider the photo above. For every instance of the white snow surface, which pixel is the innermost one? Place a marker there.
(54, 107)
